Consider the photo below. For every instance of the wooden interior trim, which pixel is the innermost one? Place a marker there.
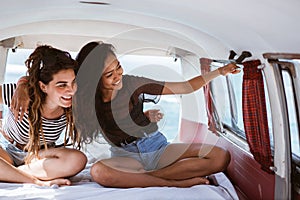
(281, 55)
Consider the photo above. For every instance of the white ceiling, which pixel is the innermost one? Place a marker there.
(204, 27)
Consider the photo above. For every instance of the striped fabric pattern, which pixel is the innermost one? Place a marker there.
(7, 92)
(19, 130)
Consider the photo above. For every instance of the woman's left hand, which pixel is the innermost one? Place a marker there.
(154, 115)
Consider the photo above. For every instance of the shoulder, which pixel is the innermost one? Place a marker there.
(131, 80)
(131, 77)
(139, 80)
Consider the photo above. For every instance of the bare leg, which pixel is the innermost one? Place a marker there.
(127, 172)
(56, 163)
(5, 156)
(184, 161)
(9, 173)
(182, 165)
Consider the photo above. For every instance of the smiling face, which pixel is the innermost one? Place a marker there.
(60, 90)
(112, 75)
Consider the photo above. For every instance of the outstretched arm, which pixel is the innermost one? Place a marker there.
(199, 81)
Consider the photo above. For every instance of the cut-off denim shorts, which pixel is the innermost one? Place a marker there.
(16, 154)
(146, 150)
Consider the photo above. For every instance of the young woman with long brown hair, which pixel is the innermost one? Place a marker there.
(141, 155)
(28, 148)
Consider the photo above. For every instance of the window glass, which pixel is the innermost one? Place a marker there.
(16, 65)
(237, 81)
(269, 114)
(294, 129)
(220, 97)
(159, 68)
(170, 106)
(227, 95)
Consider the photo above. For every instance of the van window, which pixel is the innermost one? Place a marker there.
(292, 112)
(227, 95)
(15, 67)
(164, 69)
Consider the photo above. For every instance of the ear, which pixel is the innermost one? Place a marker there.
(43, 86)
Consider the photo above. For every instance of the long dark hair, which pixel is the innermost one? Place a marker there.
(91, 60)
(42, 64)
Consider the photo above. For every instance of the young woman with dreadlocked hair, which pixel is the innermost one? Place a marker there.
(28, 152)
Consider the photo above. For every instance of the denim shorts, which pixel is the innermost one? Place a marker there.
(16, 154)
(146, 150)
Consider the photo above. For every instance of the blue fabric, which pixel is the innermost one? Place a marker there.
(146, 150)
(17, 155)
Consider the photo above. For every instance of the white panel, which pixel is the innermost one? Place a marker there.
(193, 105)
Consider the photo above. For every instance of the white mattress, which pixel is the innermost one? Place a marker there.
(84, 188)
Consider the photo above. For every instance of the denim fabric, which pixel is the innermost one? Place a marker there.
(146, 150)
(16, 154)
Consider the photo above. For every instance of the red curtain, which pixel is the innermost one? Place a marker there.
(205, 68)
(255, 114)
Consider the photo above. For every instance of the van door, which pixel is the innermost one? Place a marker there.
(287, 156)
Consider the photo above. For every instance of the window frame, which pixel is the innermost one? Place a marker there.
(284, 62)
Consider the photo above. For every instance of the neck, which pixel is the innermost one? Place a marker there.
(108, 95)
(51, 112)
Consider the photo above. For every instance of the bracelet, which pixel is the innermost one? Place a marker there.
(22, 80)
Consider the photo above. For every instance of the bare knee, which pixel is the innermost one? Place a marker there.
(103, 175)
(223, 160)
(76, 160)
(81, 160)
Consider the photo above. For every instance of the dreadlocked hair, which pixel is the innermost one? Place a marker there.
(41, 65)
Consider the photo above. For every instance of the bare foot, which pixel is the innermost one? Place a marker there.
(191, 182)
(59, 182)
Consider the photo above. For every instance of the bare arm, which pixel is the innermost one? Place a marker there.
(20, 100)
(198, 82)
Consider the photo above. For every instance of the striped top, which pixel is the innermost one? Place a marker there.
(19, 130)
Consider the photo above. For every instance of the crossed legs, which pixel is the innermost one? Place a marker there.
(181, 165)
(44, 171)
